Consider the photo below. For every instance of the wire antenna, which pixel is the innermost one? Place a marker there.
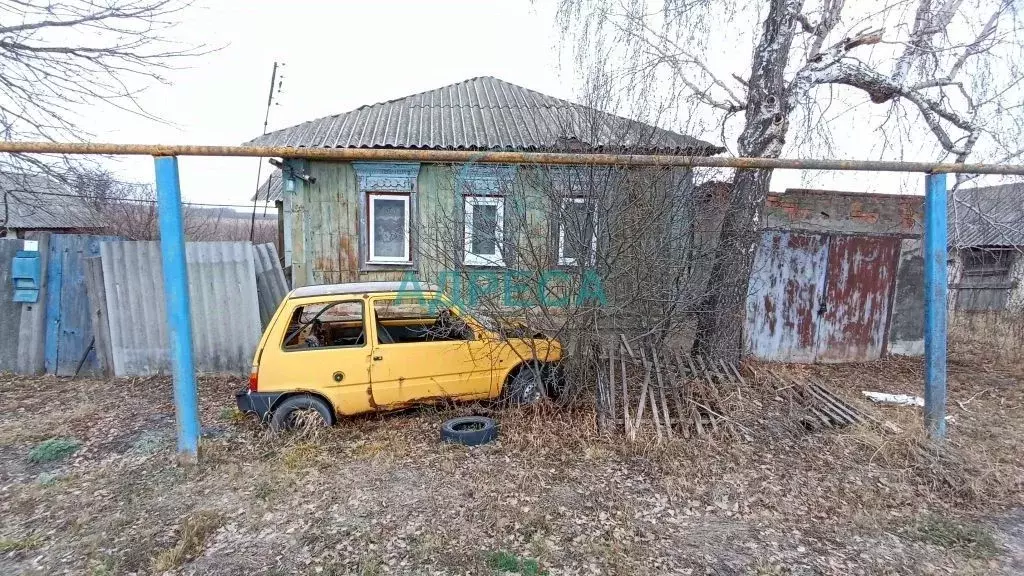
(259, 168)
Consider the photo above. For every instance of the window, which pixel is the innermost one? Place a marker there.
(325, 325)
(985, 283)
(484, 223)
(992, 262)
(389, 228)
(577, 238)
(407, 320)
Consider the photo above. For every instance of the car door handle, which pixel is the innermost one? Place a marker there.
(378, 357)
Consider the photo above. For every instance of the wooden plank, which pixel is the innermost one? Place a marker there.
(650, 397)
(698, 420)
(726, 373)
(680, 406)
(610, 351)
(844, 404)
(601, 400)
(851, 417)
(627, 425)
(625, 344)
(641, 404)
(736, 372)
(704, 374)
(32, 325)
(661, 390)
(98, 314)
(693, 370)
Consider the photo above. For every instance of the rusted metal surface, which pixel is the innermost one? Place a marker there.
(858, 282)
(783, 297)
(501, 157)
(820, 298)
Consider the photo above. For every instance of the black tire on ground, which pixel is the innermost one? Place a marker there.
(469, 430)
(286, 412)
(526, 385)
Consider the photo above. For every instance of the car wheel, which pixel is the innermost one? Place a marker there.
(303, 411)
(469, 430)
(526, 386)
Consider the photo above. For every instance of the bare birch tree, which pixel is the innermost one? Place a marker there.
(943, 68)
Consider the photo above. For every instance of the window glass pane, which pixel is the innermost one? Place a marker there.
(408, 308)
(484, 228)
(577, 229)
(326, 326)
(389, 227)
(411, 320)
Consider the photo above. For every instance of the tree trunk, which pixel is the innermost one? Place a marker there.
(721, 313)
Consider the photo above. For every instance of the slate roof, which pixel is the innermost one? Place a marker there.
(987, 216)
(484, 113)
(37, 202)
(272, 186)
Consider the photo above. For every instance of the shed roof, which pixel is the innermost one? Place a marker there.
(987, 216)
(38, 202)
(484, 113)
(270, 190)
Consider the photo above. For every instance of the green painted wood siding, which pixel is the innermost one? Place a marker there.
(325, 224)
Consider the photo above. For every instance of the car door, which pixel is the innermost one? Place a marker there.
(331, 358)
(409, 365)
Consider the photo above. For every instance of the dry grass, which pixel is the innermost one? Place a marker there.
(381, 494)
(995, 340)
(192, 536)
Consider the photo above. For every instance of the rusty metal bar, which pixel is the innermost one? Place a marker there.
(500, 157)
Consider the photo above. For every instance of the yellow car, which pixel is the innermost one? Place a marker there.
(345, 349)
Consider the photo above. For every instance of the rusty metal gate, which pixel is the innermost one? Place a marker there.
(820, 297)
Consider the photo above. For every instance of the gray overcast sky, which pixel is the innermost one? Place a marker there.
(338, 56)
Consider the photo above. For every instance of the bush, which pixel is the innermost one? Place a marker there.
(53, 449)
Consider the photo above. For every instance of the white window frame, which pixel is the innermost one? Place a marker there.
(470, 258)
(370, 225)
(563, 260)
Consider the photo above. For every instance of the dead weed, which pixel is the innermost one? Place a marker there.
(192, 536)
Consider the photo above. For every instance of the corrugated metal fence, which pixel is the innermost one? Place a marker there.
(10, 311)
(225, 310)
(271, 286)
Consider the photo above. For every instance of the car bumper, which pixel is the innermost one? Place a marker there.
(257, 403)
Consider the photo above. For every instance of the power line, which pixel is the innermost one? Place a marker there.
(134, 201)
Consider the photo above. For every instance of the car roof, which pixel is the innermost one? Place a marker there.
(361, 288)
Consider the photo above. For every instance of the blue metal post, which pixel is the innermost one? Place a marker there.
(935, 289)
(172, 250)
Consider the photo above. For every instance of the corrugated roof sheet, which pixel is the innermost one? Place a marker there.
(35, 201)
(484, 113)
(271, 187)
(987, 216)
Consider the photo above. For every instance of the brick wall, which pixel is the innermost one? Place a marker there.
(850, 212)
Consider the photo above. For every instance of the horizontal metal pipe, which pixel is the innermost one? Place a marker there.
(501, 157)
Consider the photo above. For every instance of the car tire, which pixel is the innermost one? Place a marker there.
(526, 385)
(469, 430)
(286, 412)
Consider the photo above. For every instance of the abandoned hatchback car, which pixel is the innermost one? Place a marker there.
(345, 349)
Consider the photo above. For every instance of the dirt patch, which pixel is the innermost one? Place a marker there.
(383, 495)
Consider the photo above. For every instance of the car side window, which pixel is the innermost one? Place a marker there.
(326, 325)
(416, 319)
